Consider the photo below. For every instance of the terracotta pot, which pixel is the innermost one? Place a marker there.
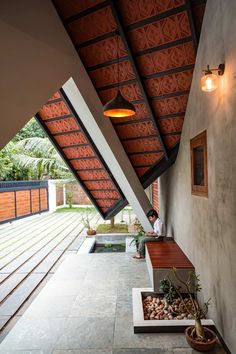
(201, 346)
(91, 232)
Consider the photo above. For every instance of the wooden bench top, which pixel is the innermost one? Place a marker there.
(167, 254)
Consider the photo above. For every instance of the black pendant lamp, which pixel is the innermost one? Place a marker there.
(118, 106)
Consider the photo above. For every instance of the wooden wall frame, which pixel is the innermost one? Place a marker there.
(199, 173)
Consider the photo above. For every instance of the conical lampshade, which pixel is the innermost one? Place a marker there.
(118, 107)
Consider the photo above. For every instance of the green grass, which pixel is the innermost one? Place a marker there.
(106, 229)
(76, 210)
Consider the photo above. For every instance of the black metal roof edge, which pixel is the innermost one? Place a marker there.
(161, 166)
(192, 24)
(116, 209)
(92, 143)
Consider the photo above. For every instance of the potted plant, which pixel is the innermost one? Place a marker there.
(198, 337)
(139, 233)
(86, 222)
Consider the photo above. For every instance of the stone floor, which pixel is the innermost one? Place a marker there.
(86, 308)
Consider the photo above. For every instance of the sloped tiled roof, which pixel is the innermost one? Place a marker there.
(156, 42)
(70, 137)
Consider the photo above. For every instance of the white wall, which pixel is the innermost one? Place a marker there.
(205, 228)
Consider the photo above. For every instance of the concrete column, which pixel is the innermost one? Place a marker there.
(108, 143)
(52, 196)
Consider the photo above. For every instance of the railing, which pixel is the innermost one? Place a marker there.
(19, 199)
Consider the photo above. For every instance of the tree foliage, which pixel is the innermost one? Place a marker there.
(30, 155)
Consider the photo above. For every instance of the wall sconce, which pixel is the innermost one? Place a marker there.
(209, 82)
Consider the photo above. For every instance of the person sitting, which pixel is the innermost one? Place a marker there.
(156, 235)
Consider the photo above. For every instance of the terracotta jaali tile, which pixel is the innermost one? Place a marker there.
(71, 139)
(170, 105)
(145, 159)
(160, 32)
(86, 164)
(95, 24)
(142, 145)
(138, 10)
(71, 7)
(62, 125)
(171, 125)
(136, 130)
(54, 110)
(78, 152)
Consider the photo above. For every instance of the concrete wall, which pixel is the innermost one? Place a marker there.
(36, 60)
(205, 228)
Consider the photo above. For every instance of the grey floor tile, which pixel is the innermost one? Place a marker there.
(124, 337)
(87, 333)
(94, 306)
(24, 352)
(32, 334)
(47, 307)
(83, 351)
(142, 351)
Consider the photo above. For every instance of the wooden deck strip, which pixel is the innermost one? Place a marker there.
(35, 230)
(37, 241)
(36, 257)
(167, 254)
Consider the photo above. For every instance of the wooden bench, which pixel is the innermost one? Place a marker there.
(161, 257)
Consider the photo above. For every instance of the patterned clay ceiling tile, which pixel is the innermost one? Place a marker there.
(142, 145)
(170, 105)
(104, 210)
(93, 25)
(62, 125)
(169, 83)
(54, 110)
(78, 152)
(136, 130)
(167, 59)
(145, 159)
(171, 125)
(106, 202)
(92, 175)
(69, 8)
(160, 32)
(106, 194)
(171, 140)
(71, 139)
(109, 74)
(141, 170)
(55, 96)
(102, 51)
(93, 185)
(130, 92)
(138, 10)
(86, 164)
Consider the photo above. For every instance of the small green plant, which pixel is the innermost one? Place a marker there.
(108, 245)
(69, 198)
(85, 219)
(168, 290)
(139, 233)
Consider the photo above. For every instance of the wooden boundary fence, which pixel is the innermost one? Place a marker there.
(19, 199)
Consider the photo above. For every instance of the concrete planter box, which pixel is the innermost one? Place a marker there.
(161, 326)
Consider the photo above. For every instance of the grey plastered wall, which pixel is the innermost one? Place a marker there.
(205, 228)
